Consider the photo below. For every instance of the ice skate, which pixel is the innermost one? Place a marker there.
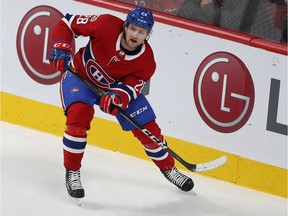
(180, 180)
(74, 186)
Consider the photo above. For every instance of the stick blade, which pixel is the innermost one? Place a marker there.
(211, 164)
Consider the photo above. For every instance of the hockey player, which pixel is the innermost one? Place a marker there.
(119, 60)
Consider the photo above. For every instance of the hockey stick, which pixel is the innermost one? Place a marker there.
(192, 167)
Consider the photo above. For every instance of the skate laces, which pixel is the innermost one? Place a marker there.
(176, 177)
(74, 179)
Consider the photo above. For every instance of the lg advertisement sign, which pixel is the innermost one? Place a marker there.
(33, 43)
(224, 92)
(224, 95)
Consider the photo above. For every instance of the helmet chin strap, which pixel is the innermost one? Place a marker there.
(148, 36)
(124, 37)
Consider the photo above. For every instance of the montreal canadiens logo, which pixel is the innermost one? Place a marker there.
(98, 75)
(224, 92)
(34, 43)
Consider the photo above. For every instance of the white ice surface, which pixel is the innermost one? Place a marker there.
(32, 184)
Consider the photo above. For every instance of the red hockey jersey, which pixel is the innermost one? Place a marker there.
(102, 61)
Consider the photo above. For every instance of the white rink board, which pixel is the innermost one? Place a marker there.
(178, 54)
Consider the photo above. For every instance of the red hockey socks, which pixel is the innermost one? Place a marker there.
(79, 117)
(159, 156)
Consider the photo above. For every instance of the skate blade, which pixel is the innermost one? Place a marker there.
(76, 201)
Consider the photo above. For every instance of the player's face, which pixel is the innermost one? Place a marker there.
(134, 36)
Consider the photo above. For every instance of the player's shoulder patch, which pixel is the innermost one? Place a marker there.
(94, 18)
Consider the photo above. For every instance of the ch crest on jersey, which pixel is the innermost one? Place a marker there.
(98, 75)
